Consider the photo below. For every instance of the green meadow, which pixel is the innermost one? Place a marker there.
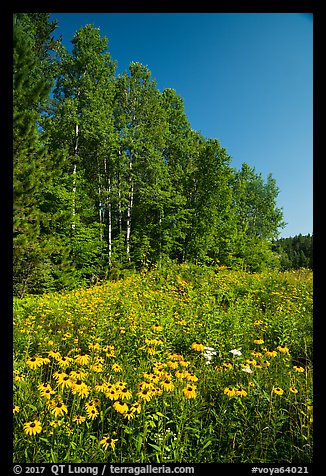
(179, 364)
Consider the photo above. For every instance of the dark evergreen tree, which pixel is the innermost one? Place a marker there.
(295, 252)
(31, 170)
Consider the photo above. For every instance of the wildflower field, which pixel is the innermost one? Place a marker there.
(183, 364)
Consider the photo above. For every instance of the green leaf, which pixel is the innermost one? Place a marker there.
(157, 448)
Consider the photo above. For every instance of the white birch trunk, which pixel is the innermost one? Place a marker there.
(74, 186)
(119, 197)
(109, 222)
(109, 205)
(129, 210)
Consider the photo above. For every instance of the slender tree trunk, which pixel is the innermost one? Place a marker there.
(109, 221)
(74, 173)
(119, 196)
(129, 211)
(100, 203)
(100, 212)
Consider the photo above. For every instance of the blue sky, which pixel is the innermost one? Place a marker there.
(245, 78)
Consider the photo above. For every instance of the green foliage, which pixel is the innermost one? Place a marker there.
(109, 175)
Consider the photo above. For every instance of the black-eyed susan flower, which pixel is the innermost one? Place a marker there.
(47, 392)
(173, 365)
(119, 385)
(184, 363)
(258, 341)
(64, 361)
(120, 407)
(58, 373)
(80, 388)
(298, 369)
(56, 423)
(136, 406)
(31, 428)
(97, 367)
(45, 360)
(59, 409)
(151, 350)
(95, 346)
(151, 377)
(145, 394)
(19, 377)
(293, 389)
(96, 401)
(156, 391)
(271, 353)
(175, 356)
(227, 366)
(158, 368)
(197, 346)
(191, 376)
(265, 363)
(101, 387)
(78, 419)
(112, 393)
(239, 392)
(54, 354)
(157, 327)
(251, 361)
(229, 391)
(257, 366)
(179, 374)
(129, 414)
(34, 362)
(167, 384)
(116, 367)
(64, 381)
(78, 374)
(259, 322)
(16, 409)
(89, 405)
(124, 393)
(43, 386)
(83, 359)
(107, 441)
(92, 413)
(283, 349)
(278, 390)
(189, 391)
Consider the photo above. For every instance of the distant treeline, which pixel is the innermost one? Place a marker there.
(295, 252)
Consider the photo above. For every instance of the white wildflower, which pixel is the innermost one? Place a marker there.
(247, 369)
(235, 352)
(209, 349)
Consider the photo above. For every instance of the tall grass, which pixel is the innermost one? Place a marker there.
(159, 344)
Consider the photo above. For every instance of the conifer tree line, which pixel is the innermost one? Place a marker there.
(109, 175)
(295, 251)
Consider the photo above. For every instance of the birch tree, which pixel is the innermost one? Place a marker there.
(141, 125)
(83, 127)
